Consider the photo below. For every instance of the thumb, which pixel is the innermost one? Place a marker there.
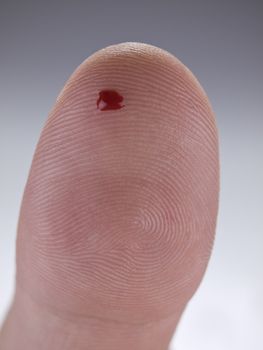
(119, 211)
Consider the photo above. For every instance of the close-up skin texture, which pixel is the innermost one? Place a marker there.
(119, 212)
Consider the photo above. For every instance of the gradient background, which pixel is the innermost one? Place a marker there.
(42, 42)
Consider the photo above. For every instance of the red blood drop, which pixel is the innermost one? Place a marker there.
(109, 99)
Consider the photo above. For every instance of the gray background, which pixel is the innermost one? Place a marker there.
(42, 42)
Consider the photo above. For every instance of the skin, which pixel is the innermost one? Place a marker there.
(119, 212)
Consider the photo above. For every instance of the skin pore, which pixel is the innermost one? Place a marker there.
(119, 211)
